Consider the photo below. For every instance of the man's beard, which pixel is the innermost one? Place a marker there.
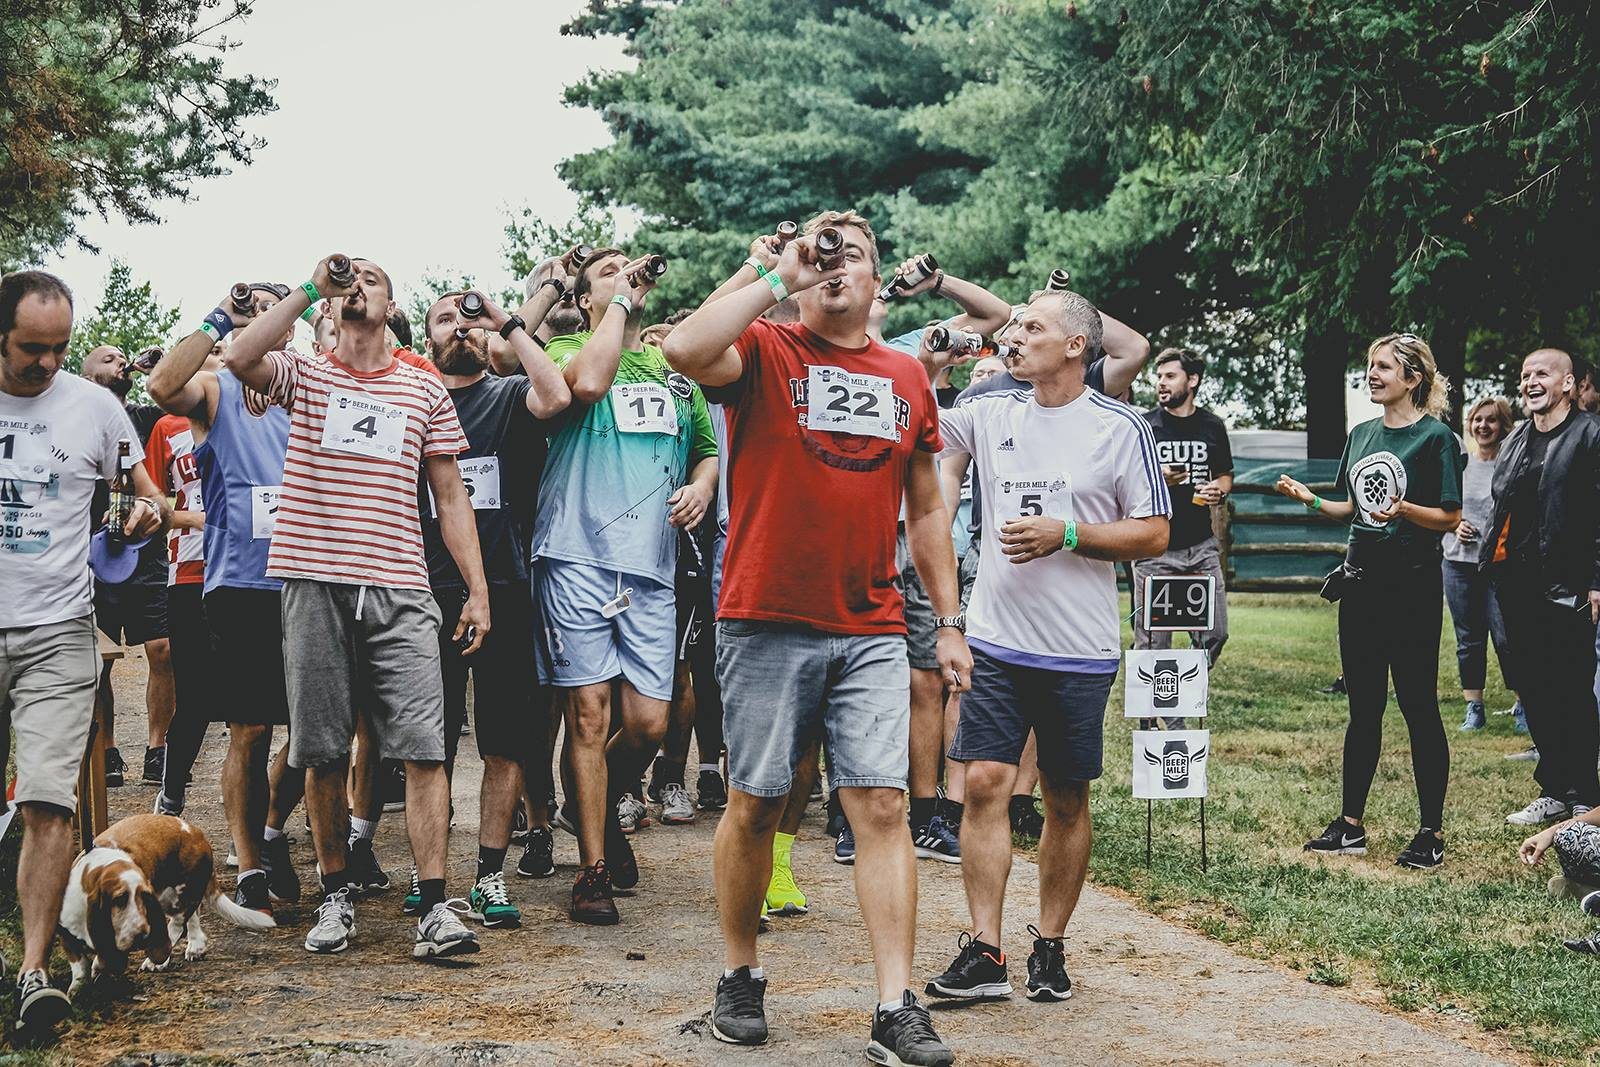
(121, 385)
(464, 356)
(1175, 400)
(564, 318)
(349, 312)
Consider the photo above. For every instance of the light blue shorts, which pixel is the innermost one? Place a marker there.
(582, 646)
(784, 686)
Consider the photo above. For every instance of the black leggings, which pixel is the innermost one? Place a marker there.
(1389, 624)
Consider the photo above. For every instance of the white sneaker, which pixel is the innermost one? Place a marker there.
(336, 921)
(441, 932)
(1541, 810)
(631, 813)
(676, 807)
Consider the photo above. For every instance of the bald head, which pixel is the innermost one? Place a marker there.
(107, 365)
(1563, 361)
(1547, 384)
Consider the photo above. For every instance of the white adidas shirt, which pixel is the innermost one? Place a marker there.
(1093, 461)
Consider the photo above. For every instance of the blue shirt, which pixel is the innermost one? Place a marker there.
(241, 455)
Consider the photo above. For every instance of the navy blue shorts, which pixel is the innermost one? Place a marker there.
(1065, 709)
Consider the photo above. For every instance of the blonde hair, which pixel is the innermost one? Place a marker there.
(847, 218)
(1431, 394)
(1502, 415)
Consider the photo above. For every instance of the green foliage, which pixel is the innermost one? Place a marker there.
(109, 107)
(128, 316)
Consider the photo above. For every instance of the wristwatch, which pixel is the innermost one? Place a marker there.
(561, 286)
(515, 322)
(955, 622)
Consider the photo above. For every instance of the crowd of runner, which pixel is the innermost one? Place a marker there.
(758, 524)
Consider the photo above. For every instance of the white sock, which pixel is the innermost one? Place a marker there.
(755, 972)
(253, 870)
(363, 829)
(891, 1005)
(711, 767)
(270, 834)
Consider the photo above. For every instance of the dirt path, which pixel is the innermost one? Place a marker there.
(553, 992)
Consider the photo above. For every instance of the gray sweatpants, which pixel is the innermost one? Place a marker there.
(1204, 558)
(350, 647)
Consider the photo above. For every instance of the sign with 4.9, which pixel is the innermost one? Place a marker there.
(1179, 602)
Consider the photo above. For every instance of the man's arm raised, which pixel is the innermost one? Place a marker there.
(250, 346)
(1126, 351)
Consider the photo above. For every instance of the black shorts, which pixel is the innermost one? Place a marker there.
(248, 682)
(692, 590)
(1066, 710)
(509, 706)
(131, 614)
(194, 653)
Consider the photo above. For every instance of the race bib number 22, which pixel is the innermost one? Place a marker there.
(849, 403)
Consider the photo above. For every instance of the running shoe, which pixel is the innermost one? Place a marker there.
(1047, 969)
(652, 792)
(441, 933)
(905, 1037)
(592, 900)
(165, 805)
(1339, 839)
(1026, 818)
(392, 785)
(676, 807)
(935, 841)
(712, 791)
(363, 869)
(1519, 718)
(1476, 718)
(412, 904)
(783, 895)
(251, 893)
(563, 821)
(621, 864)
(1588, 945)
(519, 825)
(1334, 687)
(739, 1014)
(283, 884)
(1527, 755)
(1425, 852)
(978, 970)
(489, 904)
(335, 925)
(115, 768)
(844, 847)
(632, 814)
(40, 1005)
(1540, 810)
(538, 859)
(155, 764)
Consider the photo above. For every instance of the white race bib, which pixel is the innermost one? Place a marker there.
(842, 402)
(24, 450)
(481, 476)
(263, 509)
(367, 427)
(1018, 496)
(644, 407)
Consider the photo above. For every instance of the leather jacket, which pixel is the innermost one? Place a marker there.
(1569, 506)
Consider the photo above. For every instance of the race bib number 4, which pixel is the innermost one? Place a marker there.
(481, 476)
(849, 403)
(263, 509)
(644, 407)
(24, 450)
(1019, 496)
(367, 427)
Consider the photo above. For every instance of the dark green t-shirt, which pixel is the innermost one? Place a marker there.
(1421, 463)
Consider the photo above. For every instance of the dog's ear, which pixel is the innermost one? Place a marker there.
(157, 943)
(102, 926)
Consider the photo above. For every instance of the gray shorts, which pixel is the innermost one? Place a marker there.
(48, 676)
(350, 647)
(922, 645)
(783, 686)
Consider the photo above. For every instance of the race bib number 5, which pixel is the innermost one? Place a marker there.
(481, 479)
(849, 403)
(644, 407)
(24, 450)
(367, 427)
(1019, 496)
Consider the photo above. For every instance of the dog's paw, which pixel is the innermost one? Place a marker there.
(152, 965)
(192, 952)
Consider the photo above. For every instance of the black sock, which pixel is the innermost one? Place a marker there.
(953, 810)
(432, 890)
(836, 821)
(1022, 803)
(490, 860)
(922, 810)
(333, 881)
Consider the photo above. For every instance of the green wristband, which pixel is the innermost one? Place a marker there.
(310, 313)
(310, 289)
(779, 290)
(1069, 536)
(1316, 503)
(210, 331)
(624, 303)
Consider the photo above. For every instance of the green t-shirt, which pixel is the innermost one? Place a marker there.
(613, 464)
(1421, 463)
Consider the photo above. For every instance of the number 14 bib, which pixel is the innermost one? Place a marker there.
(849, 403)
(357, 423)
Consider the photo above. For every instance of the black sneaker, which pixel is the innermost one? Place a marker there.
(155, 764)
(1026, 818)
(1047, 969)
(1425, 852)
(713, 793)
(40, 1005)
(252, 893)
(905, 1036)
(282, 881)
(1587, 945)
(1340, 839)
(115, 768)
(538, 859)
(979, 970)
(936, 841)
(519, 825)
(363, 870)
(739, 1015)
(620, 861)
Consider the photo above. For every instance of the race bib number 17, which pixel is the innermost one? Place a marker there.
(849, 403)
(360, 424)
(644, 407)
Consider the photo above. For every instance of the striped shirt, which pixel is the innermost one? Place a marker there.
(348, 511)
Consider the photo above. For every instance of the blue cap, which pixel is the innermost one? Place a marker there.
(114, 561)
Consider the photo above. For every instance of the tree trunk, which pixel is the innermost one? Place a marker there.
(1325, 357)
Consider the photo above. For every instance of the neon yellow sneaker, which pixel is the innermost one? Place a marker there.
(783, 895)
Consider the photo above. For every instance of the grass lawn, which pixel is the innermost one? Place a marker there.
(1478, 937)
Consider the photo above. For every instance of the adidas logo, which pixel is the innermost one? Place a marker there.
(1008, 445)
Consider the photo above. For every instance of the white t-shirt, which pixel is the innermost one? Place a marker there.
(1093, 461)
(71, 431)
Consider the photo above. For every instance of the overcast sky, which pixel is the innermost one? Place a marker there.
(453, 115)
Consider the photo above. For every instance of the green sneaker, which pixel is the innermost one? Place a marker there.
(413, 901)
(783, 896)
(489, 904)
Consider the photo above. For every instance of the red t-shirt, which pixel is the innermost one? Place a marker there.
(169, 460)
(812, 511)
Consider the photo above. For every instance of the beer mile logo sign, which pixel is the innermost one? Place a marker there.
(1168, 764)
(1165, 680)
(1171, 682)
